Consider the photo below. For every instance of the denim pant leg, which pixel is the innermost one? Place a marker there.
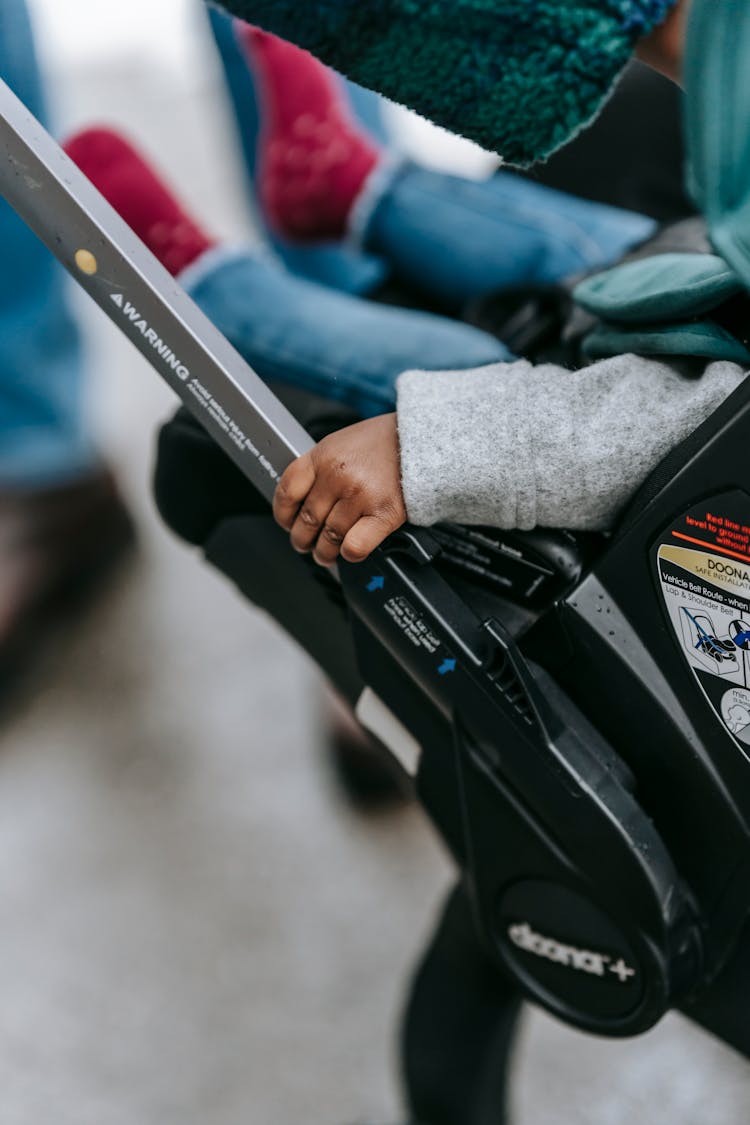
(42, 438)
(335, 264)
(368, 109)
(458, 239)
(336, 345)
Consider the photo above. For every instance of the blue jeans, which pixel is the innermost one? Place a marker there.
(457, 239)
(347, 348)
(42, 437)
(337, 345)
(296, 316)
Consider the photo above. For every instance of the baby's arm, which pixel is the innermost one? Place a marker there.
(509, 445)
(518, 446)
(344, 496)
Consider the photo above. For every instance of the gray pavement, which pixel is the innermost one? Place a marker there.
(193, 927)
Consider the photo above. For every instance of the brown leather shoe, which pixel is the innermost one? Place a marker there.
(56, 545)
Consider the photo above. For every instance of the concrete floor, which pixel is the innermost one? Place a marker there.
(194, 927)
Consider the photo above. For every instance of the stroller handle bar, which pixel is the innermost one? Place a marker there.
(93, 243)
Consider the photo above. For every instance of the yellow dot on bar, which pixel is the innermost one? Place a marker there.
(86, 262)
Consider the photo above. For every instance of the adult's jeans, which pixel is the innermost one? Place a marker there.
(42, 437)
(448, 238)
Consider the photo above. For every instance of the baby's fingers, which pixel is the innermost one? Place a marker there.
(311, 517)
(292, 489)
(341, 518)
(367, 534)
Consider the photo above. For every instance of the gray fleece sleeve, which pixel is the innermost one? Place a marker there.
(514, 445)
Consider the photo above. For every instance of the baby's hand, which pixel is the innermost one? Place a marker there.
(345, 494)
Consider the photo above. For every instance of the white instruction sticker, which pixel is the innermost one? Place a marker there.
(704, 573)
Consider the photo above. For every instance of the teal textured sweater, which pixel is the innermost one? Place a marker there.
(517, 76)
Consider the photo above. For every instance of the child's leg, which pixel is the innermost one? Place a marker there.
(339, 346)
(314, 159)
(335, 264)
(319, 175)
(367, 107)
(458, 239)
(288, 329)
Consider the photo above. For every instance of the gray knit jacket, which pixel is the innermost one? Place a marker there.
(515, 445)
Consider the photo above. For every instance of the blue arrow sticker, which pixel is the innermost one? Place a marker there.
(376, 583)
(446, 667)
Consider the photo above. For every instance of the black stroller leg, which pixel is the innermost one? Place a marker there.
(459, 1028)
(723, 1009)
